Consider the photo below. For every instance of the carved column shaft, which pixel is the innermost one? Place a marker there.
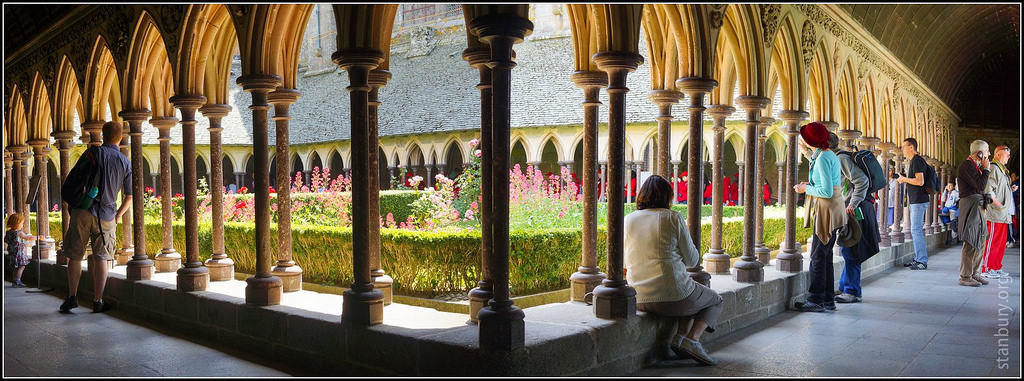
(482, 293)
(285, 268)
(695, 88)
(8, 184)
(221, 267)
(44, 241)
(140, 267)
(127, 249)
(790, 257)
(760, 250)
(883, 204)
(168, 259)
(194, 276)
(897, 230)
(589, 275)
(748, 269)
(716, 260)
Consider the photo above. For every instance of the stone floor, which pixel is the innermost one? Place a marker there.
(911, 323)
(41, 342)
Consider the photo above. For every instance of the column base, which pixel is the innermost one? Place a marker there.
(221, 269)
(167, 261)
(748, 271)
(384, 284)
(263, 291)
(582, 283)
(897, 237)
(291, 277)
(478, 298)
(46, 248)
(763, 254)
(193, 279)
(138, 269)
(789, 260)
(716, 262)
(124, 255)
(614, 300)
(502, 327)
(362, 308)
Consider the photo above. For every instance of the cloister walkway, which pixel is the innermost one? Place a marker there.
(911, 323)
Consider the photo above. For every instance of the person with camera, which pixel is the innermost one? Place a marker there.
(972, 178)
(860, 205)
(997, 215)
(948, 213)
(917, 199)
(97, 222)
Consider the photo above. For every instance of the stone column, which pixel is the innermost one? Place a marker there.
(740, 192)
(363, 305)
(589, 275)
(748, 269)
(263, 288)
(24, 155)
(790, 257)
(664, 99)
(897, 218)
(932, 223)
(761, 251)
(604, 181)
(168, 259)
(140, 267)
(883, 200)
(220, 266)
(125, 253)
(43, 240)
(716, 261)
(95, 130)
(615, 298)
(695, 88)
(8, 184)
(286, 269)
(943, 179)
(675, 181)
(430, 176)
(482, 293)
(381, 281)
(781, 189)
(64, 145)
(501, 322)
(194, 276)
(239, 179)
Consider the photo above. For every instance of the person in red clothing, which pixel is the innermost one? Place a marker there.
(767, 192)
(734, 193)
(683, 186)
(707, 194)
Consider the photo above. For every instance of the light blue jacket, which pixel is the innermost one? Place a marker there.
(826, 173)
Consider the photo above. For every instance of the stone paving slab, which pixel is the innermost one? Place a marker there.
(911, 323)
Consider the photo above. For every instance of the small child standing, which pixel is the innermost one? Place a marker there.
(17, 246)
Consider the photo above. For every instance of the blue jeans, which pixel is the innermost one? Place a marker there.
(917, 231)
(950, 214)
(890, 216)
(849, 280)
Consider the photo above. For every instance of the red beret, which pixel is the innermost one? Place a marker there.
(815, 135)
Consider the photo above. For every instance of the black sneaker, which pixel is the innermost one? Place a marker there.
(829, 306)
(100, 306)
(919, 266)
(809, 307)
(69, 303)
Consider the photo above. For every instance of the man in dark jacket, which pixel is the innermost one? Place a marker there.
(972, 177)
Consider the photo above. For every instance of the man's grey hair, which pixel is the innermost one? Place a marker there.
(978, 145)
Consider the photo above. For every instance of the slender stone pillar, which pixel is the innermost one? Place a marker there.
(501, 322)
(65, 142)
(220, 266)
(8, 185)
(43, 240)
(140, 267)
(943, 180)
(748, 269)
(761, 251)
(740, 185)
(430, 176)
(664, 99)
(286, 269)
(932, 223)
(790, 257)
(883, 204)
(124, 254)
(381, 281)
(675, 181)
(604, 181)
(95, 130)
(239, 179)
(482, 293)
(716, 260)
(263, 288)
(363, 305)
(615, 298)
(781, 189)
(589, 275)
(897, 235)
(194, 276)
(168, 259)
(22, 154)
(695, 88)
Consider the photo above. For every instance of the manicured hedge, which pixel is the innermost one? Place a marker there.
(431, 263)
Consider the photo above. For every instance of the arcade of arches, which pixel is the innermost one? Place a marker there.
(724, 89)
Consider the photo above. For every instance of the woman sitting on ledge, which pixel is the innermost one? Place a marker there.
(658, 249)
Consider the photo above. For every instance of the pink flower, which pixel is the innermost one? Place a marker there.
(477, 153)
(473, 143)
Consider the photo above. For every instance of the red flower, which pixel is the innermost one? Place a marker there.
(271, 189)
(177, 195)
(243, 189)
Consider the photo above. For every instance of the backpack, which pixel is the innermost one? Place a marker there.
(931, 180)
(865, 160)
(81, 188)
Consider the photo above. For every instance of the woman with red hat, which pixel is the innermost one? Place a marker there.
(829, 214)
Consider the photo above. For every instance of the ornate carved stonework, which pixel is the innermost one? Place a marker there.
(171, 19)
(807, 40)
(770, 22)
(421, 41)
(716, 18)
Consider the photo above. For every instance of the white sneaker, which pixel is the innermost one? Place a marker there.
(1001, 273)
(694, 349)
(991, 274)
